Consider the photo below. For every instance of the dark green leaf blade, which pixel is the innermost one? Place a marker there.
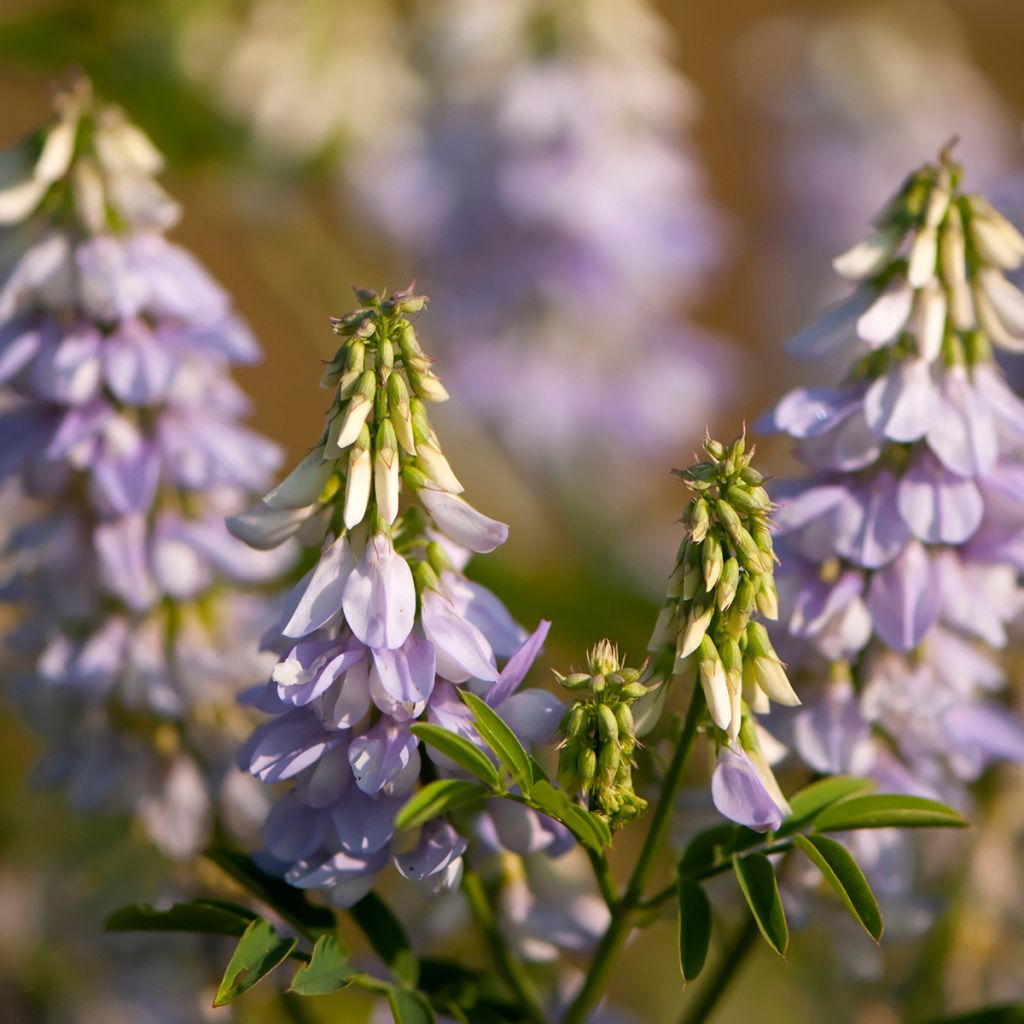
(437, 798)
(258, 952)
(588, 828)
(887, 810)
(818, 795)
(501, 739)
(291, 903)
(327, 971)
(386, 935)
(694, 929)
(208, 917)
(409, 1007)
(761, 891)
(458, 749)
(843, 873)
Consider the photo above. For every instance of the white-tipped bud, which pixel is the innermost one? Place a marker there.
(427, 385)
(938, 203)
(385, 472)
(1006, 299)
(90, 201)
(304, 484)
(990, 321)
(696, 626)
(923, 254)
(867, 258)
(358, 410)
(400, 412)
(752, 692)
(771, 677)
(432, 461)
(58, 148)
(995, 238)
(930, 321)
(359, 480)
(664, 628)
(714, 683)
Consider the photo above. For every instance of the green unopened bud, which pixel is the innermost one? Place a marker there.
(568, 777)
(400, 412)
(385, 357)
(768, 598)
(758, 642)
(607, 725)
(751, 476)
(729, 518)
(714, 448)
(575, 681)
(586, 768)
(633, 691)
(700, 520)
(355, 364)
(598, 683)
(608, 764)
(359, 407)
(751, 557)
(624, 718)
(711, 555)
(576, 722)
(748, 499)
(727, 584)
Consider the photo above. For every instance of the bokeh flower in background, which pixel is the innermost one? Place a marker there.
(559, 214)
(123, 452)
(853, 99)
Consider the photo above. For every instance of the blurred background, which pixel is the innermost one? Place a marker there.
(620, 211)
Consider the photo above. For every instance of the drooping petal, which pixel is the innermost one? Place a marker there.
(263, 528)
(904, 598)
(887, 315)
(379, 599)
(402, 680)
(463, 523)
(868, 528)
(439, 845)
(963, 434)
(381, 755)
(518, 665)
(902, 405)
(739, 794)
(322, 596)
(939, 506)
(462, 650)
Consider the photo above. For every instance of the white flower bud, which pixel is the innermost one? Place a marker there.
(304, 484)
(357, 485)
(995, 238)
(385, 472)
(867, 258)
(58, 148)
(930, 320)
(696, 627)
(923, 253)
(432, 461)
(771, 677)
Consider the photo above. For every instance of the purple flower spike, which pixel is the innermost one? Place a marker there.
(901, 549)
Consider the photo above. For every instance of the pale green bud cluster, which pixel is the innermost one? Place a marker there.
(377, 426)
(724, 576)
(599, 736)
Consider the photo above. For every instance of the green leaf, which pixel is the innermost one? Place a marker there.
(258, 952)
(588, 828)
(694, 929)
(208, 917)
(327, 971)
(709, 849)
(761, 891)
(888, 810)
(819, 795)
(501, 739)
(437, 798)
(459, 750)
(843, 873)
(409, 1007)
(386, 935)
(289, 902)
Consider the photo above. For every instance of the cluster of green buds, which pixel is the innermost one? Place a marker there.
(382, 378)
(599, 737)
(724, 576)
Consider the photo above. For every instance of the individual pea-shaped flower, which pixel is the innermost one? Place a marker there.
(384, 629)
(902, 544)
(120, 421)
(707, 630)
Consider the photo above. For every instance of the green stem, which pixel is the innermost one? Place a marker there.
(605, 880)
(508, 963)
(622, 919)
(718, 981)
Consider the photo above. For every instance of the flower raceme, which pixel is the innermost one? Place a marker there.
(120, 425)
(385, 628)
(903, 544)
(707, 630)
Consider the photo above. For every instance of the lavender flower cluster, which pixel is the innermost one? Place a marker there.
(122, 450)
(902, 548)
(384, 629)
